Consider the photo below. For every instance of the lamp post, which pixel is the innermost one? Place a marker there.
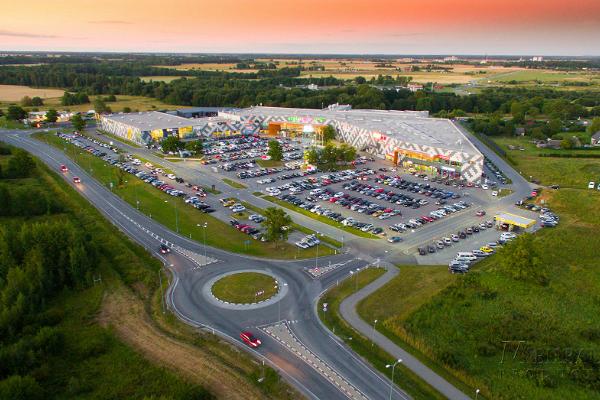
(393, 367)
(176, 216)
(373, 334)
(204, 229)
(477, 393)
(279, 304)
(317, 255)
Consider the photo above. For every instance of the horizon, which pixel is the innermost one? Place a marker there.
(377, 27)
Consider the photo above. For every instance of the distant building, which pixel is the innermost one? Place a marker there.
(537, 59)
(414, 87)
(549, 144)
(596, 139)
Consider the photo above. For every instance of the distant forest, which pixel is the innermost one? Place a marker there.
(281, 87)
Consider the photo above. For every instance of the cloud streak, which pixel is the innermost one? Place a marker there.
(26, 34)
(110, 22)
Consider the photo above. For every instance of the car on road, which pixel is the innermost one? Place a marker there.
(250, 339)
(164, 249)
(63, 168)
(395, 239)
(76, 179)
(480, 213)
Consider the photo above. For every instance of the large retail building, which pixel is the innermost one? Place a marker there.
(411, 139)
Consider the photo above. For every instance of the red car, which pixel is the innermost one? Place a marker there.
(249, 339)
(63, 168)
(480, 213)
(76, 179)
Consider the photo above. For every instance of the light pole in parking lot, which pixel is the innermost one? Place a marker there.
(393, 367)
(176, 216)
(317, 255)
(204, 229)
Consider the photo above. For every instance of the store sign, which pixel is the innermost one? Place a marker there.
(448, 169)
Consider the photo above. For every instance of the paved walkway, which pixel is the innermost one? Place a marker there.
(348, 312)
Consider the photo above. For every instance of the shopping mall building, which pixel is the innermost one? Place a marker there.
(410, 139)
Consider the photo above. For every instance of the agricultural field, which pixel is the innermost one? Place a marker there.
(14, 93)
(159, 78)
(546, 76)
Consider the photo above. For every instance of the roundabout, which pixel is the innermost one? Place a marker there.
(245, 289)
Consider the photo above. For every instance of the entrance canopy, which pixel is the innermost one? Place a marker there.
(516, 220)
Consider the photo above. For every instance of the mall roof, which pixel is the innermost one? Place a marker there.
(150, 120)
(409, 126)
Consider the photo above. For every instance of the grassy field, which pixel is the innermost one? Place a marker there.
(234, 184)
(14, 93)
(269, 163)
(510, 338)
(362, 345)
(546, 76)
(173, 213)
(244, 288)
(320, 218)
(566, 172)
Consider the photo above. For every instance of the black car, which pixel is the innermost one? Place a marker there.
(164, 249)
(422, 251)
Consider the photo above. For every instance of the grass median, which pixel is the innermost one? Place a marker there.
(377, 357)
(298, 227)
(320, 218)
(172, 211)
(234, 184)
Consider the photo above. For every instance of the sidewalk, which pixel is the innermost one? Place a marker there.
(348, 312)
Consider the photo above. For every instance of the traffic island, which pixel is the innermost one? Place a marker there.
(245, 288)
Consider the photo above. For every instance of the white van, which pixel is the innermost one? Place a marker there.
(464, 254)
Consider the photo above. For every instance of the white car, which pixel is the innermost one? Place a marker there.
(485, 187)
(591, 185)
(171, 176)
(494, 193)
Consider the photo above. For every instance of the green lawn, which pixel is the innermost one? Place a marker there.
(118, 138)
(362, 345)
(245, 287)
(320, 218)
(468, 324)
(173, 212)
(566, 172)
(234, 184)
(269, 163)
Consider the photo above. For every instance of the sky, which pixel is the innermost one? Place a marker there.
(519, 27)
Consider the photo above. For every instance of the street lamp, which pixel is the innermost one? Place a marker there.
(204, 229)
(176, 216)
(373, 334)
(477, 393)
(317, 255)
(279, 304)
(393, 367)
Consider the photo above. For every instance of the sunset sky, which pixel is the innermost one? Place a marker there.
(536, 27)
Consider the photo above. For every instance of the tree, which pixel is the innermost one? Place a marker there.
(100, 106)
(276, 220)
(566, 144)
(195, 146)
(347, 153)
(171, 144)
(594, 126)
(26, 101)
(16, 113)
(18, 387)
(126, 109)
(555, 126)
(51, 115)
(37, 101)
(312, 156)
(328, 133)
(521, 261)
(329, 156)
(20, 165)
(78, 122)
(275, 150)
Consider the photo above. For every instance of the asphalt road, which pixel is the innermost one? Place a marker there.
(185, 296)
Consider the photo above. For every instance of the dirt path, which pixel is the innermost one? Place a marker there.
(125, 314)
